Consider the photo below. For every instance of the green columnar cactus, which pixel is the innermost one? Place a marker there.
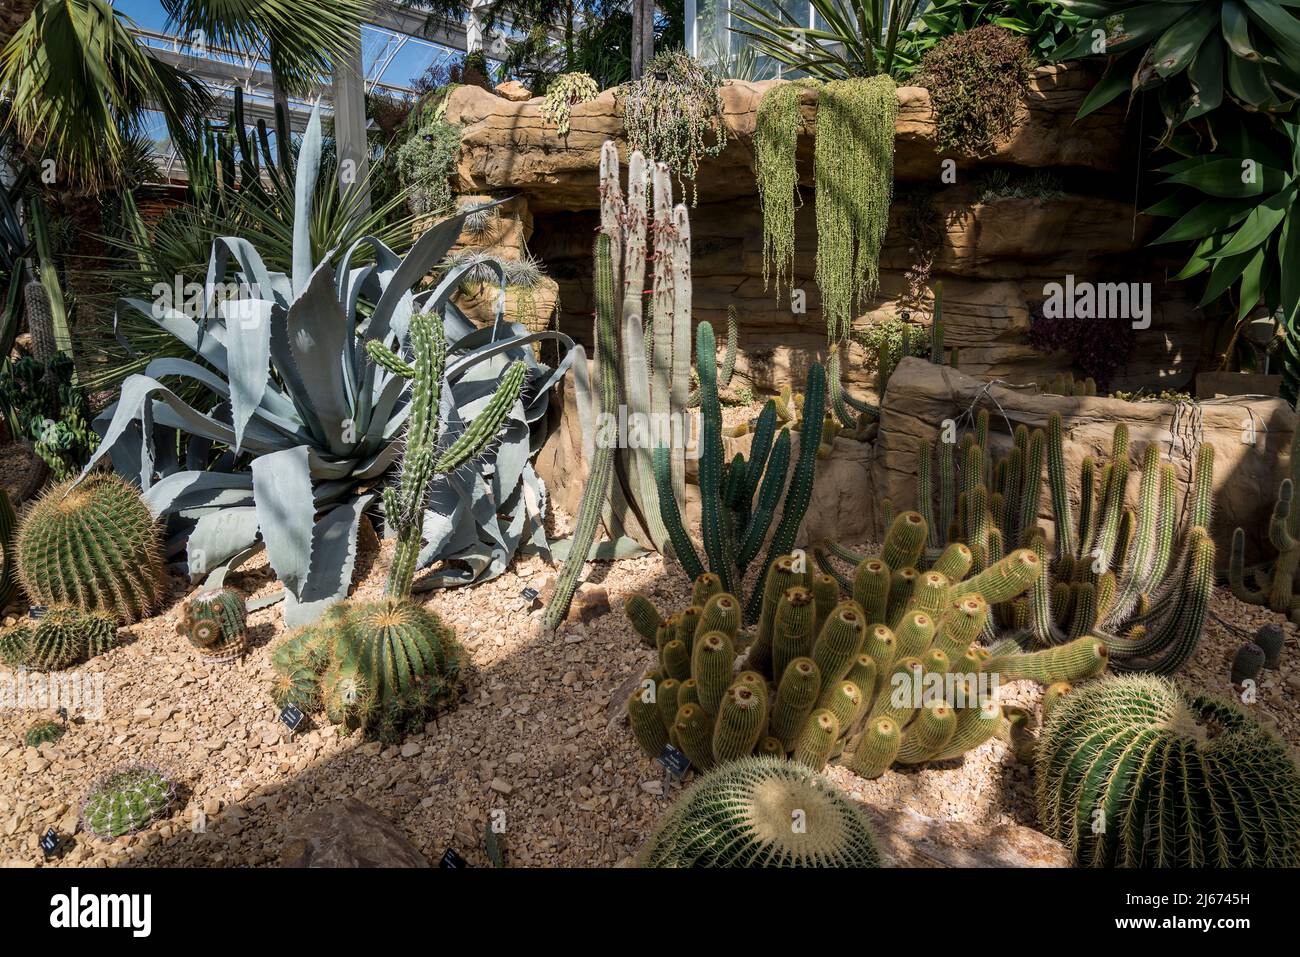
(126, 800)
(43, 732)
(813, 746)
(845, 701)
(904, 541)
(721, 613)
(215, 623)
(1271, 638)
(796, 696)
(780, 577)
(839, 643)
(643, 615)
(770, 747)
(1134, 772)
(1276, 588)
(688, 692)
(1083, 658)
(676, 660)
(694, 735)
(741, 721)
(975, 725)
(877, 748)
(863, 674)
(93, 545)
(933, 728)
(914, 634)
(666, 693)
(871, 588)
(404, 505)
(390, 664)
(711, 667)
(744, 815)
(826, 595)
(8, 554)
(705, 587)
(647, 728)
(733, 524)
(792, 628)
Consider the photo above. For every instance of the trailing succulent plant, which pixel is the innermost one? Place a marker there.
(745, 815)
(776, 139)
(739, 499)
(381, 667)
(63, 636)
(1137, 772)
(673, 114)
(308, 422)
(92, 544)
(644, 367)
(126, 800)
(215, 623)
(43, 732)
(893, 674)
(1124, 576)
(562, 94)
(1274, 586)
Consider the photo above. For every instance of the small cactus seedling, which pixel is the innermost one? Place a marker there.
(43, 732)
(1271, 638)
(126, 800)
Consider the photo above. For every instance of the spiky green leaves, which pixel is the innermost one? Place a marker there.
(762, 812)
(93, 545)
(1134, 772)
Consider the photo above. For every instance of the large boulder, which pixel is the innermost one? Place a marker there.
(347, 833)
(908, 838)
(1249, 437)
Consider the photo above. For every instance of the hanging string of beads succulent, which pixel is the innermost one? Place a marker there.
(776, 136)
(854, 174)
(562, 94)
(673, 115)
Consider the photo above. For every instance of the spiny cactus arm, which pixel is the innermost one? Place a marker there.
(769, 496)
(847, 408)
(728, 368)
(760, 448)
(486, 424)
(1031, 493)
(1004, 579)
(636, 391)
(824, 564)
(800, 492)
(1236, 572)
(682, 545)
(1082, 658)
(382, 356)
(717, 543)
(1203, 487)
(1146, 540)
(602, 469)
(925, 491)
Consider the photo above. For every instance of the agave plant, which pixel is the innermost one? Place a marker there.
(306, 426)
(1195, 54)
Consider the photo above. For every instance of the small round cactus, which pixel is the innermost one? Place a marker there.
(762, 812)
(92, 544)
(215, 623)
(43, 732)
(126, 800)
(65, 636)
(1271, 638)
(15, 645)
(1247, 663)
(1134, 772)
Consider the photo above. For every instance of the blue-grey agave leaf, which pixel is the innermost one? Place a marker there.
(318, 331)
(334, 557)
(304, 194)
(248, 341)
(218, 537)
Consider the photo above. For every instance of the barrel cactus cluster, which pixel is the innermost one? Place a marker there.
(1135, 771)
(93, 545)
(1138, 579)
(762, 812)
(127, 800)
(61, 637)
(894, 674)
(215, 623)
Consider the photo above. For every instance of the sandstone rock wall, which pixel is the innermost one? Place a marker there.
(994, 259)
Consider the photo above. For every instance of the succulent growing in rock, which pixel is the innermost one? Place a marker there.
(94, 545)
(43, 732)
(762, 812)
(126, 800)
(215, 623)
(1136, 772)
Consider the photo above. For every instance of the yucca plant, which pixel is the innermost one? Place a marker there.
(308, 423)
(852, 38)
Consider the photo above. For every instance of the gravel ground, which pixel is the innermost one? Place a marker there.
(538, 733)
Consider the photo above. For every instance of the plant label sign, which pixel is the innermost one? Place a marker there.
(292, 716)
(530, 596)
(50, 842)
(36, 612)
(674, 761)
(451, 861)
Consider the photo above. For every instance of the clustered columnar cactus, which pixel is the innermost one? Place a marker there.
(43, 732)
(739, 500)
(404, 505)
(762, 812)
(1133, 772)
(93, 545)
(1066, 384)
(62, 637)
(126, 800)
(1119, 574)
(382, 667)
(642, 365)
(894, 674)
(215, 622)
(1275, 587)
